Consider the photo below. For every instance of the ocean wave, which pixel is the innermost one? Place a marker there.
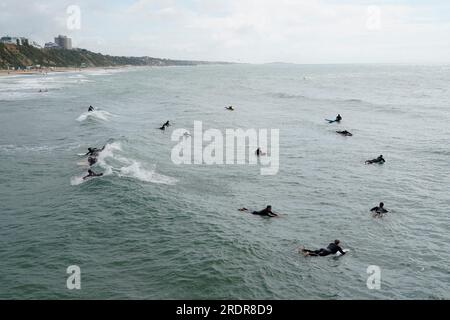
(15, 148)
(121, 166)
(136, 171)
(96, 115)
(283, 95)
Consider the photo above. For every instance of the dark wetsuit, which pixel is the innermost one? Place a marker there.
(378, 210)
(377, 160)
(345, 133)
(92, 161)
(93, 174)
(94, 151)
(265, 212)
(338, 118)
(90, 109)
(331, 249)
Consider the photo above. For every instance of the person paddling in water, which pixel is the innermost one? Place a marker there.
(345, 133)
(331, 249)
(94, 151)
(264, 212)
(91, 108)
(378, 211)
(380, 160)
(259, 152)
(338, 118)
(165, 125)
(92, 174)
(229, 108)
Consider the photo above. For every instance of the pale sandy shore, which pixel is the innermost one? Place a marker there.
(52, 70)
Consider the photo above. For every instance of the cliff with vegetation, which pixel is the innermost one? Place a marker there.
(22, 56)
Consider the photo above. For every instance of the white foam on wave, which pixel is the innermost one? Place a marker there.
(14, 148)
(96, 114)
(136, 171)
(20, 87)
(118, 164)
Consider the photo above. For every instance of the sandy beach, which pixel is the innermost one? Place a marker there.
(4, 72)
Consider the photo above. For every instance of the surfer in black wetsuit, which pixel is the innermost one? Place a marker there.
(380, 159)
(92, 174)
(94, 151)
(264, 212)
(167, 124)
(345, 133)
(338, 118)
(379, 211)
(229, 108)
(91, 108)
(331, 249)
(92, 161)
(259, 152)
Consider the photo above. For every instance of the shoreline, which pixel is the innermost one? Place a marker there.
(44, 71)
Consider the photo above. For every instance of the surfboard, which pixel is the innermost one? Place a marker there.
(93, 177)
(338, 254)
(330, 121)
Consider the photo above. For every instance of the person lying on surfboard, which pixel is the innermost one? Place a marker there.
(92, 161)
(380, 159)
(379, 211)
(92, 174)
(94, 151)
(345, 133)
(229, 108)
(331, 249)
(264, 212)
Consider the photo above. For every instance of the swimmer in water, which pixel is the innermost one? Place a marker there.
(380, 160)
(94, 151)
(331, 249)
(229, 108)
(338, 118)
(91, 108)
(259, 152)
(378, 211)
(345, 133)
(92, 174)
(92, 161)
(265, 212)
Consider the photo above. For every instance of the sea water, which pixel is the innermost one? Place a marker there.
(151, 229)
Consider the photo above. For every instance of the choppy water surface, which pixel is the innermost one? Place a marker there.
(150, 229)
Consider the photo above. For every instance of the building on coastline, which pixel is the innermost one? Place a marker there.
(19, 41)
(51, 45)
(64, 42)
(35, 44)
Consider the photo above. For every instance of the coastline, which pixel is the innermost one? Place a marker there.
(44, 71)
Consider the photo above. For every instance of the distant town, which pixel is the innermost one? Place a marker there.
(22, 54)
(61, 42)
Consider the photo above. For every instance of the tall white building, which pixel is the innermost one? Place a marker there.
(64, 42)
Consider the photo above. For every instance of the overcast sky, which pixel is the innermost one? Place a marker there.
(257, 31)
